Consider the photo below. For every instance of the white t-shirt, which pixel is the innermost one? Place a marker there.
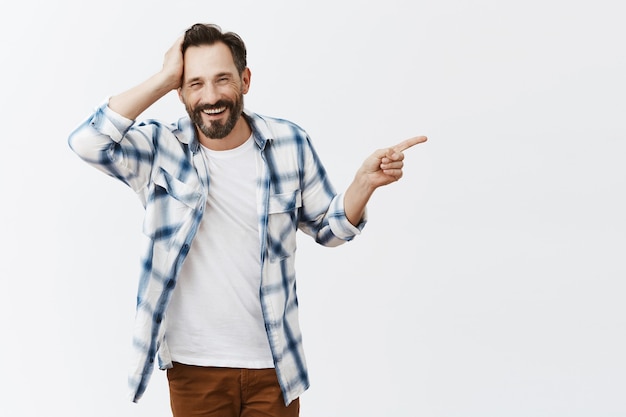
(215, 316)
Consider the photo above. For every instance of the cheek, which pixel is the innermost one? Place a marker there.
(190, 98)
(235, 88)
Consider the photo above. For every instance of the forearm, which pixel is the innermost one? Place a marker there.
(356, 197)
(136, 100)
(133, 102)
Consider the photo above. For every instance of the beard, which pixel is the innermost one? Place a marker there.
(217, 130)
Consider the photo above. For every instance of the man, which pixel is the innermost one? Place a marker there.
(224, 192)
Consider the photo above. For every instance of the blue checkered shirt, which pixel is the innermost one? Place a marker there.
(162, 163)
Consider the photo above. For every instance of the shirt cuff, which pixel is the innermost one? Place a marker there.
(110, 123)
(339, 223)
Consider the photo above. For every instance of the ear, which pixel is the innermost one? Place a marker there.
(180, 95)
(245, 80)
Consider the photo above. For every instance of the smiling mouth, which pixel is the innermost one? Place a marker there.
(214, 111)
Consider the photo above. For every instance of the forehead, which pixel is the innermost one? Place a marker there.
(208, 61)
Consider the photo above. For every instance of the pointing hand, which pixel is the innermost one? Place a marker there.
(385, 165)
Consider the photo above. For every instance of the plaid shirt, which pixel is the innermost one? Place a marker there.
(163, 165)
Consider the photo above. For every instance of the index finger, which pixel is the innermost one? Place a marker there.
(406, 144)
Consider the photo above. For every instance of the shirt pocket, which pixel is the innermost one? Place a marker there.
(171, 203)
(282, 224)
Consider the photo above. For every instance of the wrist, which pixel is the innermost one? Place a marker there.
(166, 81)
(363, 183)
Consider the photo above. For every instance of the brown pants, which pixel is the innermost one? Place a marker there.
(200, 391)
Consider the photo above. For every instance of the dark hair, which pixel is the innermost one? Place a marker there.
(209, 34)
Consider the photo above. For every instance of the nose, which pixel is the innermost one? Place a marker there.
(210, 95)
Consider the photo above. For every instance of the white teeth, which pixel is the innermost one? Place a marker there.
(214, 111)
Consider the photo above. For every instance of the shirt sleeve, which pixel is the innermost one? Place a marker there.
(113, 144)
(339, 223)
(323, 207)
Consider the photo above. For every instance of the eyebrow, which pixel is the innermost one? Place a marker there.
(191, 80)
(223, 74)
(218, 75)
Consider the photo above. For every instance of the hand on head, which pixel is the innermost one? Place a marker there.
(173, 64)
